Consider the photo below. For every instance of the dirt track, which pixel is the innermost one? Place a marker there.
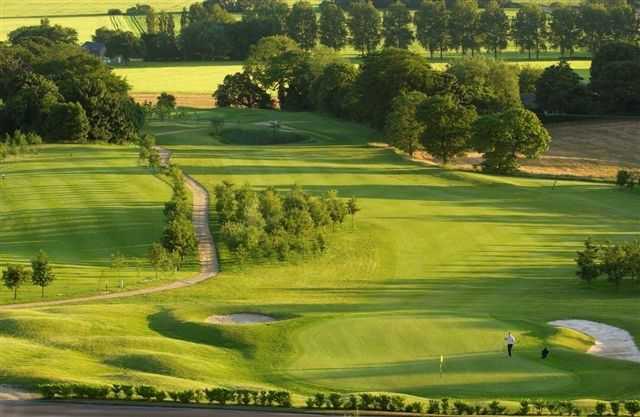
(206, 252)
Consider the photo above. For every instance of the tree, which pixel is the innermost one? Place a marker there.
(595, 25)
(431, 22)
(503, 136)
(352, 209)
(632, 259)
(42, 275)
(615, 77)
(67, 122)
(397, 26)
(383, 75)
(613, 263)
(45, 31)
(530, 29)
(333, 90)
(587, 262)
(28, 108)
(447, 126)
(494, 26)
(558, 88)
(366, 27)
(160, 259)
(118, 43)
(240, 90)
(333, 28)
(624, 24)
(464, 21)
(528, 78)
(302, 25)
(14, 276)
(259, 64)
(165, 104)
(403, 129)
(564, 29)
(600, 408)
(490, 85)
(179, 237)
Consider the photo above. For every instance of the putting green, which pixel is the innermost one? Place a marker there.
(439, 262)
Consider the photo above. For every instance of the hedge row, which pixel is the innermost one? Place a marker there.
(221, 396)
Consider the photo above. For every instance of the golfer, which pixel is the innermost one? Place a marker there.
(510, 340)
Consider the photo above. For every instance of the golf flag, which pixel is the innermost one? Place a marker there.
(441, 363)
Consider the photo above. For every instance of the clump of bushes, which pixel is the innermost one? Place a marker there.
(18, 143)
(626, 178)
(270, 224)
(616, 261)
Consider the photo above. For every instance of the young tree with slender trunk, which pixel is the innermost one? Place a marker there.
(431, 22)
(353, 208)
(42, 275)
(334, 32)
(14, 276)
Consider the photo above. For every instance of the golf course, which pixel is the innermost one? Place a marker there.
(439, 263)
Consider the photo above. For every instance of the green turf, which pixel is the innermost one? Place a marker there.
(81, 204)
(440, 262)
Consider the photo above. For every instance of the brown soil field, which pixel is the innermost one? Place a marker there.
(587, 149)
(195, 100)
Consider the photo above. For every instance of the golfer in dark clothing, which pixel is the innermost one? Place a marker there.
(510, 340)
(545, 352)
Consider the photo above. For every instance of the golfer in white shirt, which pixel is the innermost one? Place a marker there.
(510, 340)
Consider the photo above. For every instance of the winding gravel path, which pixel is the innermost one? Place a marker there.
(611, 342)
(206, 251)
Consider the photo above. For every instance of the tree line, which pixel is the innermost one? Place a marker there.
(51, 87)
(474, 104)
(40, 274)
(255, 224)
(18, 143)
(209, 32)
(613, 87)
(615, 260)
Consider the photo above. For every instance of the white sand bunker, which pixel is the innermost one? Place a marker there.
(240, 318)
(611, 342)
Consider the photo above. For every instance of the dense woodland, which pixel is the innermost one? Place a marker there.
(208, 30)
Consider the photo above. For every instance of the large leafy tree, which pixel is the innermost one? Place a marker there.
(615, 77)
(403, 129)
(302, 25)
(43, 31)
(494, 25)
(464, 25)
(447, 126)
(387, 73)
(530, 29)
(240, 90)
(502, 137)
(333, 89)
(558, 88)
(489, 85)
(259, 64)
(334, 32)
(564, 29)
(431, 21)
(365, 25)
(595, 25)
(397, 26)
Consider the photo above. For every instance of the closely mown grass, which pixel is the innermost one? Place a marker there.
(439, 263)
(81, 204)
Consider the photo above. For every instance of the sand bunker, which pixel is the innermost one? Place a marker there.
(240, 318)
(611, 342)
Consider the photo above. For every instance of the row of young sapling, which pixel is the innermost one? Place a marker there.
(18, 143)
(334, 401)
(219, 396)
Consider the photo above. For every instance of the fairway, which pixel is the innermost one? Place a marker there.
(81, 204)
(439, 263)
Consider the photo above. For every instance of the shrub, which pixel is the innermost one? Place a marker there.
(632, 407)
(383, 402)
(625, 178)
(335, 400)
(615, 408)
(460, 407)
(524, 408)
(444, 405)
(220, 395)
(495, 408)
(397, 403)
(351, 403)
(366, 401)
(187, 396)
(539, 405)
(434, 407)
(128, 391)
(319, 399)
(310, 402)
(174, 396)
(146, 392)
(414, 407)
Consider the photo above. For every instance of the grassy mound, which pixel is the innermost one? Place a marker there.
(260, 135)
